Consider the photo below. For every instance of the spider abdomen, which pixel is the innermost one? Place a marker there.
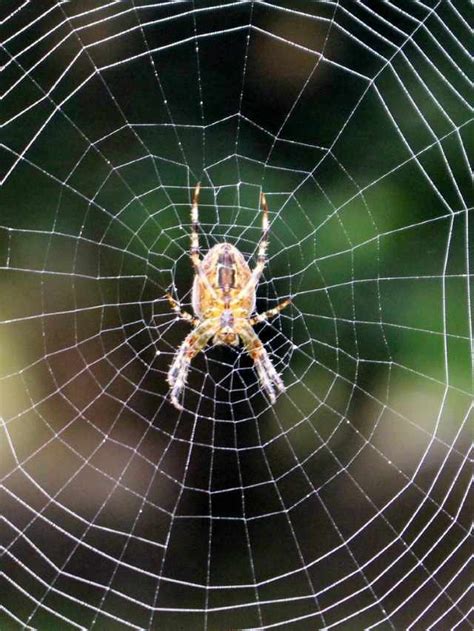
(227, 273)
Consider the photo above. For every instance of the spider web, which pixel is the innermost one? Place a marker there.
(345, 504)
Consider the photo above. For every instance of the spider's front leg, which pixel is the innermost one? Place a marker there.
(269, 378)
(193, 343)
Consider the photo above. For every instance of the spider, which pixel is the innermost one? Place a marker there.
(223, 299)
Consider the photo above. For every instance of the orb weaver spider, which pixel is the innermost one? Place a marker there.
(223, 299)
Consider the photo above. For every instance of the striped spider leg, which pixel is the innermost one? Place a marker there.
(268, 376)
(193, 343)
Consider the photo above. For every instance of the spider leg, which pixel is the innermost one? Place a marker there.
(182, 314)
(195, 226)
(268, 376)
(194, 252)
(193, 343)
(261, 317)
(262, 250)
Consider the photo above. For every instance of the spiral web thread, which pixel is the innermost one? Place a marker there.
(344, 505)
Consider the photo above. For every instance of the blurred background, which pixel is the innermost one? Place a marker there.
(344, 504)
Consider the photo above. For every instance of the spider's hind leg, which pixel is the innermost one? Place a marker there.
(262, 250)
(263, 246)
(195, 227)
(195, 251)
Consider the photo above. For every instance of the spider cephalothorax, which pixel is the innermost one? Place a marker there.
(223, 300)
